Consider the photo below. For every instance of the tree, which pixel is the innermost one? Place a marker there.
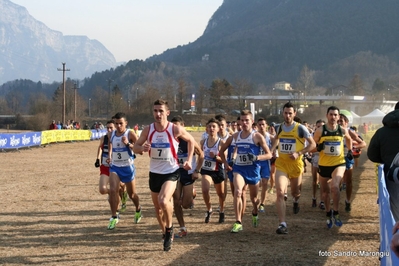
(241, 89)
(219, 88)
(306, 82)
(355, 86)
(378, 86)
(181, 93)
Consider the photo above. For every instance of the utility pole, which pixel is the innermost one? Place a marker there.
(63, 85)
(75, 87)
(109, 97)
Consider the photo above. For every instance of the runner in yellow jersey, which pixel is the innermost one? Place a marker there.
(330, 143)
(290, 138)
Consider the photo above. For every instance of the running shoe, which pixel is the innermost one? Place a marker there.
(282, 229)
(337, 220)
(261, 208)
(123, 201)
(296, 207)
(285, 196)
(318, 185)
(221, 217)
(330, 223)
(208, 216)
(314, 203)
(112, 223)
(236, 227)
(255, 220)
(348, 206)
(270, 191)
(137, 216)
(182, 232)
(322, 206)
(167, 242)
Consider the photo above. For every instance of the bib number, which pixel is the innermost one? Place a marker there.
(209, 165)
(287, 146)
(242, 159)
(160, 154)
(332, 148)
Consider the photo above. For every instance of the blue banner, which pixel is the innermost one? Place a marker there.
(97, 133)
(20, 140)
(386, 221)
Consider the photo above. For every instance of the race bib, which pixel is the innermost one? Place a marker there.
(242, 159)
(120, 157)
(287, 146)
(104, 161)
(332, 148)
(160, 151)
(182, 158)
(209, 165)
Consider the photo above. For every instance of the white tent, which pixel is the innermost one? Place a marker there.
(375, 117)
(356, 118)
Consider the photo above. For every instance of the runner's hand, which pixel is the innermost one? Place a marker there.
(320, 146)
(252, 157)
(97, 163)
(349, 155)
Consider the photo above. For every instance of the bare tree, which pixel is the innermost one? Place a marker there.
(242, 88)
(181, 95)
(306, 82)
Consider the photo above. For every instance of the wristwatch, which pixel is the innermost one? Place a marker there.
(197, 171)
(128, 144)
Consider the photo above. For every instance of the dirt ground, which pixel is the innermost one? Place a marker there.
(53, 214)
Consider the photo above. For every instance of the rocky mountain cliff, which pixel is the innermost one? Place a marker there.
(30, 50)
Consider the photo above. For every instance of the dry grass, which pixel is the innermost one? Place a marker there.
(53, 214)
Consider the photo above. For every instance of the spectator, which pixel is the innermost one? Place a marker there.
(86, 126)
(59, 125)
(53, 125)
(384, 145)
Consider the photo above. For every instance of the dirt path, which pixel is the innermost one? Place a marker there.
(53, 214)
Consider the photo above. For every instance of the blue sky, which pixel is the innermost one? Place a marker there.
(129, 29)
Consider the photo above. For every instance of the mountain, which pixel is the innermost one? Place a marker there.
(30, 50)
(267, 41)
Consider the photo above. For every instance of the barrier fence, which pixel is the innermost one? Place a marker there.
(31, 139)
(386, 221)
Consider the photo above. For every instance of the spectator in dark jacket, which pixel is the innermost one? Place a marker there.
(53, 125)
(384, 146)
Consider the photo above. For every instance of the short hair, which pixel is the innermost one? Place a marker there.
(111, 121)
(297, 119)
(344, 117)
(220, 117)
(119, 115)
(261, 119)
(245, 112)
(177, 118)
(332, 108)
(397, 106)
(213, 120)
(289, 105)
(320, 121)
(161, 102)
